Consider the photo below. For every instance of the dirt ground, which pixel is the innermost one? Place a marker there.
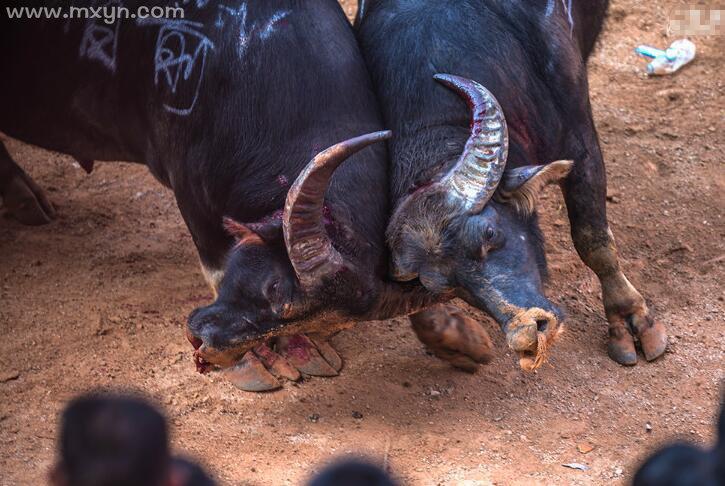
(99, 298)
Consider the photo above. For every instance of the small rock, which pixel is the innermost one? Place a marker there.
(670, 135)
(671, 94)
(648, 427)
(357, 415)
(682, 247)
(314, 418)
(585, 448)
(618, 471)
(9, 376)
(631, 130)
(434, 393)
(576, 465)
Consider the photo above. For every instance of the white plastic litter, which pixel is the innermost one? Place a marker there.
(670, 60)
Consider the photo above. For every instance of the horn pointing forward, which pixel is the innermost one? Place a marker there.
(308, 245)
(476, 175)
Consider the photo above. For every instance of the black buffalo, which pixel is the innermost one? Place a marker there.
(482, 96)
(226, 107)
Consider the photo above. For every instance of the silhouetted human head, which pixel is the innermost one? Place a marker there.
(112, 441)
(677, 465)
(352, 473)
(685, 465)
(187, 473)
(108, 440)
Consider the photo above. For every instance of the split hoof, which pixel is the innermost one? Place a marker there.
(621, 346)
(301, 353)
(630, 321)
(276, 364)
(329, 353)
(653, 340)
(268, 367)
(637, 326)
(249, 374)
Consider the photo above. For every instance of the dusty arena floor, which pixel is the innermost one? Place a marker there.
(99, 298)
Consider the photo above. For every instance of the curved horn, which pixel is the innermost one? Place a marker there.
(478, 171)
(308, 245)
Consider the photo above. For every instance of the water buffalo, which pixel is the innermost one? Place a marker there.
(482, 96)
(226, 107)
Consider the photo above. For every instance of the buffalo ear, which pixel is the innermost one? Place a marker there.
(270, 230)
(522, 186)
(265, 231)
(242, 232)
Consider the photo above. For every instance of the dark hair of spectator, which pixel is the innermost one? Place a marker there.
(352, 473)
(113, 441)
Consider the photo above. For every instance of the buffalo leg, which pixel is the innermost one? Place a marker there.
(625, 308)
(25, 201)
(453, 336)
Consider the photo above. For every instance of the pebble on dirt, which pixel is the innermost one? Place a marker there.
(585, 448)
(9, 376)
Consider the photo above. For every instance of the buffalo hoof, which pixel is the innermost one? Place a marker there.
(269, 365)
(26, 202)
(621, 345)
(302, 353)
(628, 328)
(249, 374)
(653, 340)
(453, 336)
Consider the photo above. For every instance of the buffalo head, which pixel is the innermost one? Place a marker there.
(473, 231)
(285, 275)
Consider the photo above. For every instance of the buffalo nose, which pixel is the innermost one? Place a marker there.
(525, 329)
(195, 341)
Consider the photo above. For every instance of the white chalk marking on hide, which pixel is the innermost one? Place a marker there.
(100, 40)
(269, 27)
(567, 8)
(550, 4)
(180, 46)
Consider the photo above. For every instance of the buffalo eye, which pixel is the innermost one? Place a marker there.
(492, 239)
(272, 290)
